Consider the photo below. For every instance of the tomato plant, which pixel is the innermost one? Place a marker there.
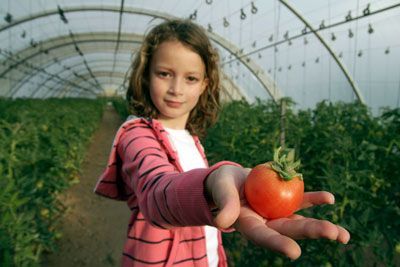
(42, 144)
(347, 151)
(274, 189)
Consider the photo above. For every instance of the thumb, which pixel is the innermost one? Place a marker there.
(228, 202)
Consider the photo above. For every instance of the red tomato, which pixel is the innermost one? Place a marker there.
(271, 196)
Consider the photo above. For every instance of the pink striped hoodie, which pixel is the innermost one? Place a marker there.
(168, 205)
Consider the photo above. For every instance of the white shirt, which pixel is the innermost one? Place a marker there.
(190, 158)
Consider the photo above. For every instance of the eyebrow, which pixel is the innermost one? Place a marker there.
(167, 68)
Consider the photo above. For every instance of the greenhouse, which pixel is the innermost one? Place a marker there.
(319, 77)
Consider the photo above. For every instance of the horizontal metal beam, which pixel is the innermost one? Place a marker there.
(256, 70)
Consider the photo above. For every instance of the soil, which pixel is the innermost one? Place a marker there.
(94, 227)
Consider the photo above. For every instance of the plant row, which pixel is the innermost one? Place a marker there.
(42, 145)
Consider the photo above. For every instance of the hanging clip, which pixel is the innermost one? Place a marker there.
(348, 17)
(286, 35)
(366, 11)
(254, 9)
(194, 15)
(226, 23)
(370, 29)
(8, 18)
(242, 14)
(351, 34)
(33, 43)
(322, 25)
(62, 16)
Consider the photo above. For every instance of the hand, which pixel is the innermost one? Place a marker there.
(279, 234)
(225, 185)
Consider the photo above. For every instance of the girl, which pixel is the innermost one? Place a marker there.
(179, 204)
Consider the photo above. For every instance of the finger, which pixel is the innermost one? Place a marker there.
(317, 198)
(309, 228)
(254, 229)
(344, 235)
(228, 203)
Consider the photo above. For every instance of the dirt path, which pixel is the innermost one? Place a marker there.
(94, 227)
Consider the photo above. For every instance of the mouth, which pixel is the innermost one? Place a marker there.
(173, 104)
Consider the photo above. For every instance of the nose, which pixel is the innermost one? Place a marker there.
(175, 86)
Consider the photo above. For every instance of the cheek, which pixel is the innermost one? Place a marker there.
(195, 96)
(155, 89)
(154, 95)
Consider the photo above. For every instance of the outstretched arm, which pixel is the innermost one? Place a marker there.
(225, 186)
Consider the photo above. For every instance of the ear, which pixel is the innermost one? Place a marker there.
(204, 85)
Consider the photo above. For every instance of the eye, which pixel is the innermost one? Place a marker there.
(192, 79)
(163, 74)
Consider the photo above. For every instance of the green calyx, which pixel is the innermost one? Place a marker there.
(285, 165)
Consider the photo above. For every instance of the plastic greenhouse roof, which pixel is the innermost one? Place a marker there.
(307, 50)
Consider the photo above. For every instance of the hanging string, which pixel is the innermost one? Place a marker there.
(398, 93)
(355, 46)
(9, 46)
(240, 40)
(277, 22)
(330, 58)
(386, 79)
(369, 74)
(287, 71)
(303, 90)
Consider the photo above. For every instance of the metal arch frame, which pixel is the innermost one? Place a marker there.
(78, 39)
(82, 77)
(60, 42)
(257, 71)
(331, 52)
(51, 62)
(61, 92)
(118, 75)
(34, 91)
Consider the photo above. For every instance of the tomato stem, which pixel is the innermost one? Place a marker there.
(285, 165)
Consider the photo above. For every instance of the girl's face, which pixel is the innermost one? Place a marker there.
(177, 79)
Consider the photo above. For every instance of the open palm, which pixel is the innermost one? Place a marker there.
(225, 187)
(279, 234)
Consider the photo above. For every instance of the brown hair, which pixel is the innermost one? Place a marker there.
(194, 37)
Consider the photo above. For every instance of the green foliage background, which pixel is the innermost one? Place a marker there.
(344, 150)
(343, 147)
(42, 144)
